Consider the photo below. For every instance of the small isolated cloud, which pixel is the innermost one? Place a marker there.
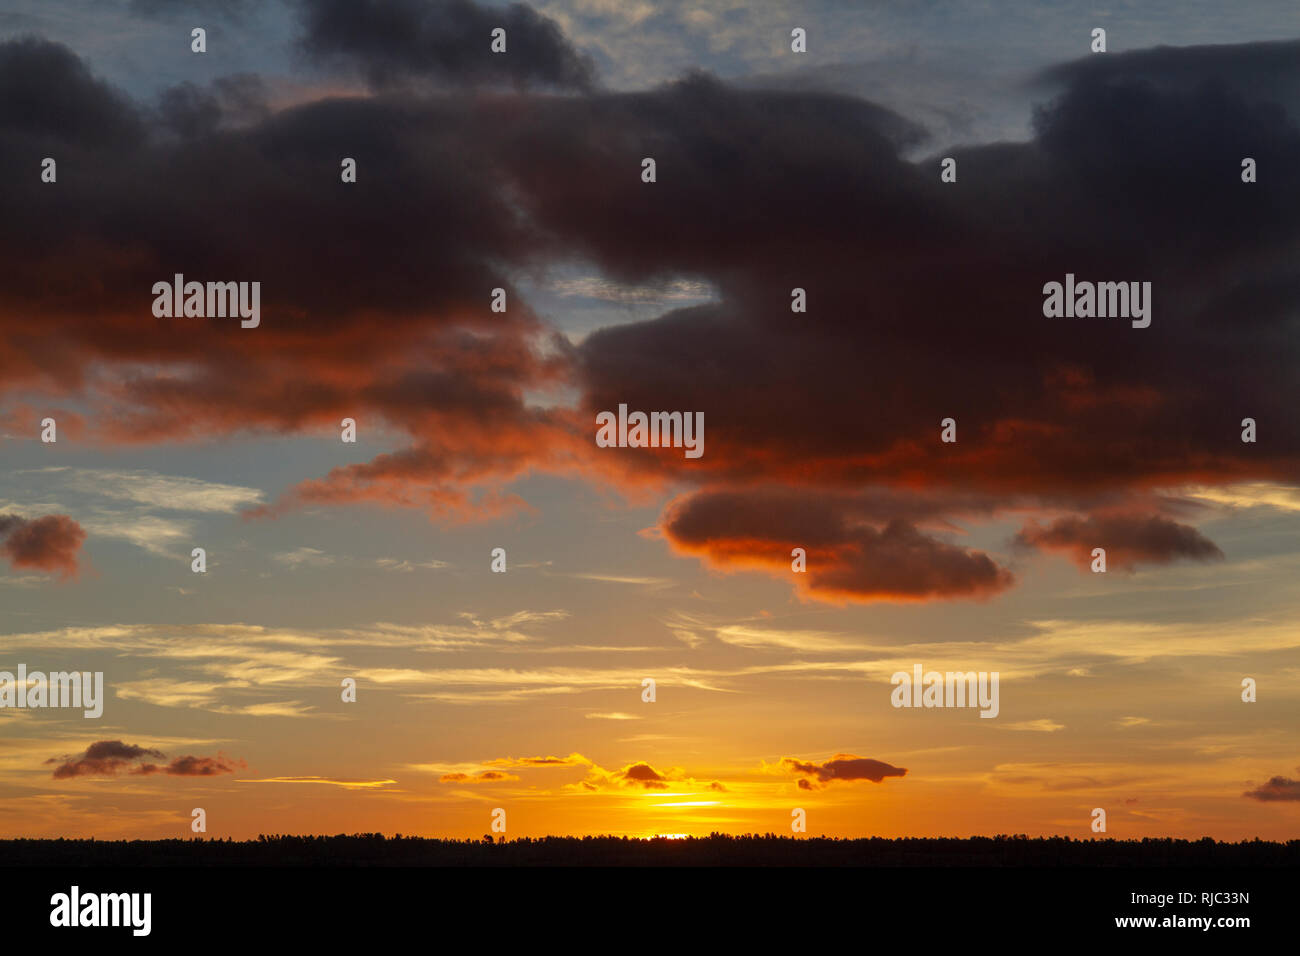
(48, 543)
(842, 767)
(1277, 789)
(637, 775)
(643, 775)
(106, 757)
(613, 715)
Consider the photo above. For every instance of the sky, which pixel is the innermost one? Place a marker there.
(371, 561)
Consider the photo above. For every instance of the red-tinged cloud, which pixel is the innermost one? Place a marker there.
(848, 558)
(49, 543)
(463, 474)
(1128, 540)
(1277, 789)
(925, 300)
(108, 757)
(841, 767)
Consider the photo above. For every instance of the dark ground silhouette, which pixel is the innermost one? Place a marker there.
(374, 849)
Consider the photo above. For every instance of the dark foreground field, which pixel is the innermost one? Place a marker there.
(373, 849)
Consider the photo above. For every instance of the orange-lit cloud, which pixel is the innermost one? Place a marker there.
(48, 543)
(822, 429)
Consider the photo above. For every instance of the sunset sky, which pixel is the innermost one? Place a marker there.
(476, 429)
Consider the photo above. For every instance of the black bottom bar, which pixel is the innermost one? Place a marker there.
(657, 906)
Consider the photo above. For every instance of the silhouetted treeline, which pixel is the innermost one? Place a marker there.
(374, 849)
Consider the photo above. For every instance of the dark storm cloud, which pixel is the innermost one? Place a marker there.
(377, 293)
(233, 9)
(48, 96)
(1261, 71)
(924, 300)
(190, 110)
(391, 41)
(935, 310)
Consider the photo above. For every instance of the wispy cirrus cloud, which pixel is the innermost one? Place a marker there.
(168, 492)
(308, 557)
(1042, 725)
(112, 503)
(341, 782)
